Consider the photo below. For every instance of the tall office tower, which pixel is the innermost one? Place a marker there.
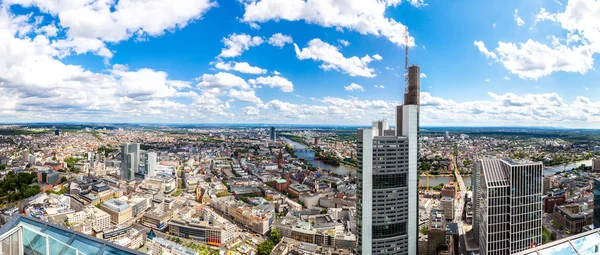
(510, 206)
(91, 159)
(130, 154)
(134, 148)
(150, 164)
(596, 203)
(412, 95)
(387, 186)
(56, 132)
(380, 125)
(25, 155)
(475, 180)
(273, 134)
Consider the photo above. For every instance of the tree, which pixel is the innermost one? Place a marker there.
(275, 236)
(324, 211)
(64, 179)
(2, 167)
(265, 248)
(424, 230)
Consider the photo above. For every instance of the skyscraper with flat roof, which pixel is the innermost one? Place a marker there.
(509, 213)
(150, 164)
(387, 204)
(130, 155)
(273, 134)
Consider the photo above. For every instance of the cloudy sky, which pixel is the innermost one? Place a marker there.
(483, 63)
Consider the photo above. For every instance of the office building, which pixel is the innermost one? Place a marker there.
(162, 246)
(596, 188)
(150, 164)
(56, 132)
(596, 164)
(25, 154)
(509, 213)
(118, 210)
(90, 156)
(448, 207)
(130, 160)
(273, 134)
(573, 217)
(48, 177)
(387, 204)
(436, 238)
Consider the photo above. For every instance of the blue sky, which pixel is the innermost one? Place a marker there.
(513, 63)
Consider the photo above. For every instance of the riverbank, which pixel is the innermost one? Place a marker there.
(307, 155)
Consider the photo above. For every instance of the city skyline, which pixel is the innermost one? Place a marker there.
(326, 65)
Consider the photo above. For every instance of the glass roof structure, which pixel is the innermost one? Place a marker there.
(40, 237)
(581, 244)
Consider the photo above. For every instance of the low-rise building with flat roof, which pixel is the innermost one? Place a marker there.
(118, 210)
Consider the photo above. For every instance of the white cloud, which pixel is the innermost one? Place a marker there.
(344, 42)
(354, 87)
(423, 75)
(377, 57)
(507, 78)
(48, 30)
(241, 67)
(494, 25)
(249, 110)
(236, 44)
(276, 73)
(484, 50)
(365, 16)
(333, 59)
(248, 96)
(518, 19)
(274, 82)
(379, 86)
(115, 21)
(487, 80)
(532, 60)
(221, 80)
(586, 88)
(279, 40)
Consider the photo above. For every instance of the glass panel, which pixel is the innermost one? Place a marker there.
(85, 245)
(561, 249)
(32, 224)
(113, 251)
(10, 245)
(57, 247)
(586, 242)
(58, 234)
(33, 243)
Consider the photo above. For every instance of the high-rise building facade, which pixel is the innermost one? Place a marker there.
(387, 185)
(510, 205)
(596, 187)
(130, 160)
(273, 134)
(150, 164)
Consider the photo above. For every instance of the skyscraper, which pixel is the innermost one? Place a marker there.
(596, 186)
(150, 164)
(387, 183)
(130, 156)
(273, 134)
(509, 212)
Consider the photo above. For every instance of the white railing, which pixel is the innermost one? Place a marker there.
(21, 240)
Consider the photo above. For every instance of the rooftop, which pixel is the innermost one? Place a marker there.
(116, 205)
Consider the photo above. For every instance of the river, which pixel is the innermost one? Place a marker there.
(302, 152)
(554, 169)
(437, 180)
